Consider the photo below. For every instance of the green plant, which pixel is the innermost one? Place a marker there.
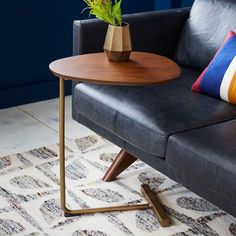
(106, 10)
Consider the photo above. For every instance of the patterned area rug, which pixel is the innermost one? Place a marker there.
(29, 196)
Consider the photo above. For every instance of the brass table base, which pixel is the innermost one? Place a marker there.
(153, 203)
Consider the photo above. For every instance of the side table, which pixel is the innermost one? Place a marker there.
(141, 69)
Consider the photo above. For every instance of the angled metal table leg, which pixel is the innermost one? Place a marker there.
(150, 197)
(156, 207)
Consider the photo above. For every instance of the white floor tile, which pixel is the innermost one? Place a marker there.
(20, 132)
(48, 113)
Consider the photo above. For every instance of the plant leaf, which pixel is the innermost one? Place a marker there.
(117, 13)
(105, 10)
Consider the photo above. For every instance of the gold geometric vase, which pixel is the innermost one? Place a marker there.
(117, 44)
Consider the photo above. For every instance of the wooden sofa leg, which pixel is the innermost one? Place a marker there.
(122, 162)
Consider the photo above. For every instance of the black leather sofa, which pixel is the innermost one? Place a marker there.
(190, 137)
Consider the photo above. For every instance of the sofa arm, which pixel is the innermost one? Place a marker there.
(156, 32)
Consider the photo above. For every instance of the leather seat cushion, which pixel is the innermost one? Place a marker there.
(209, 23)
(207, 155)
(145, 116)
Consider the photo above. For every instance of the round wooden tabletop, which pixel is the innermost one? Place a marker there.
(142, 69)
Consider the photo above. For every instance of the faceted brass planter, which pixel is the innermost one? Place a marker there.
(117, 44)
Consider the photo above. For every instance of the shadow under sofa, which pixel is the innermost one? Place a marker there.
(185, 135)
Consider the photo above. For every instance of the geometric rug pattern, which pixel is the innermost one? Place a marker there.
(29, 196)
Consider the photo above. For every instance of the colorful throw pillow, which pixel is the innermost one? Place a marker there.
(219, 78)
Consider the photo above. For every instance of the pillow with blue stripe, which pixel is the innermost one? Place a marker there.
(219, 78)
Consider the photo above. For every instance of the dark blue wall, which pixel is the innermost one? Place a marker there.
(34, 33)
(165, 4)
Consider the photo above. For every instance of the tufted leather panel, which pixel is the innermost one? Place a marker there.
(207, 155)
(209, 23)
(146, 116)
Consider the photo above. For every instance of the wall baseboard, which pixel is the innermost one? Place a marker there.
(32, 93)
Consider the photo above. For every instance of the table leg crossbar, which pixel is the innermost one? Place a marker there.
(152, 201)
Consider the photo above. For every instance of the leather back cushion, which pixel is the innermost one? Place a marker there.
(209, 23)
